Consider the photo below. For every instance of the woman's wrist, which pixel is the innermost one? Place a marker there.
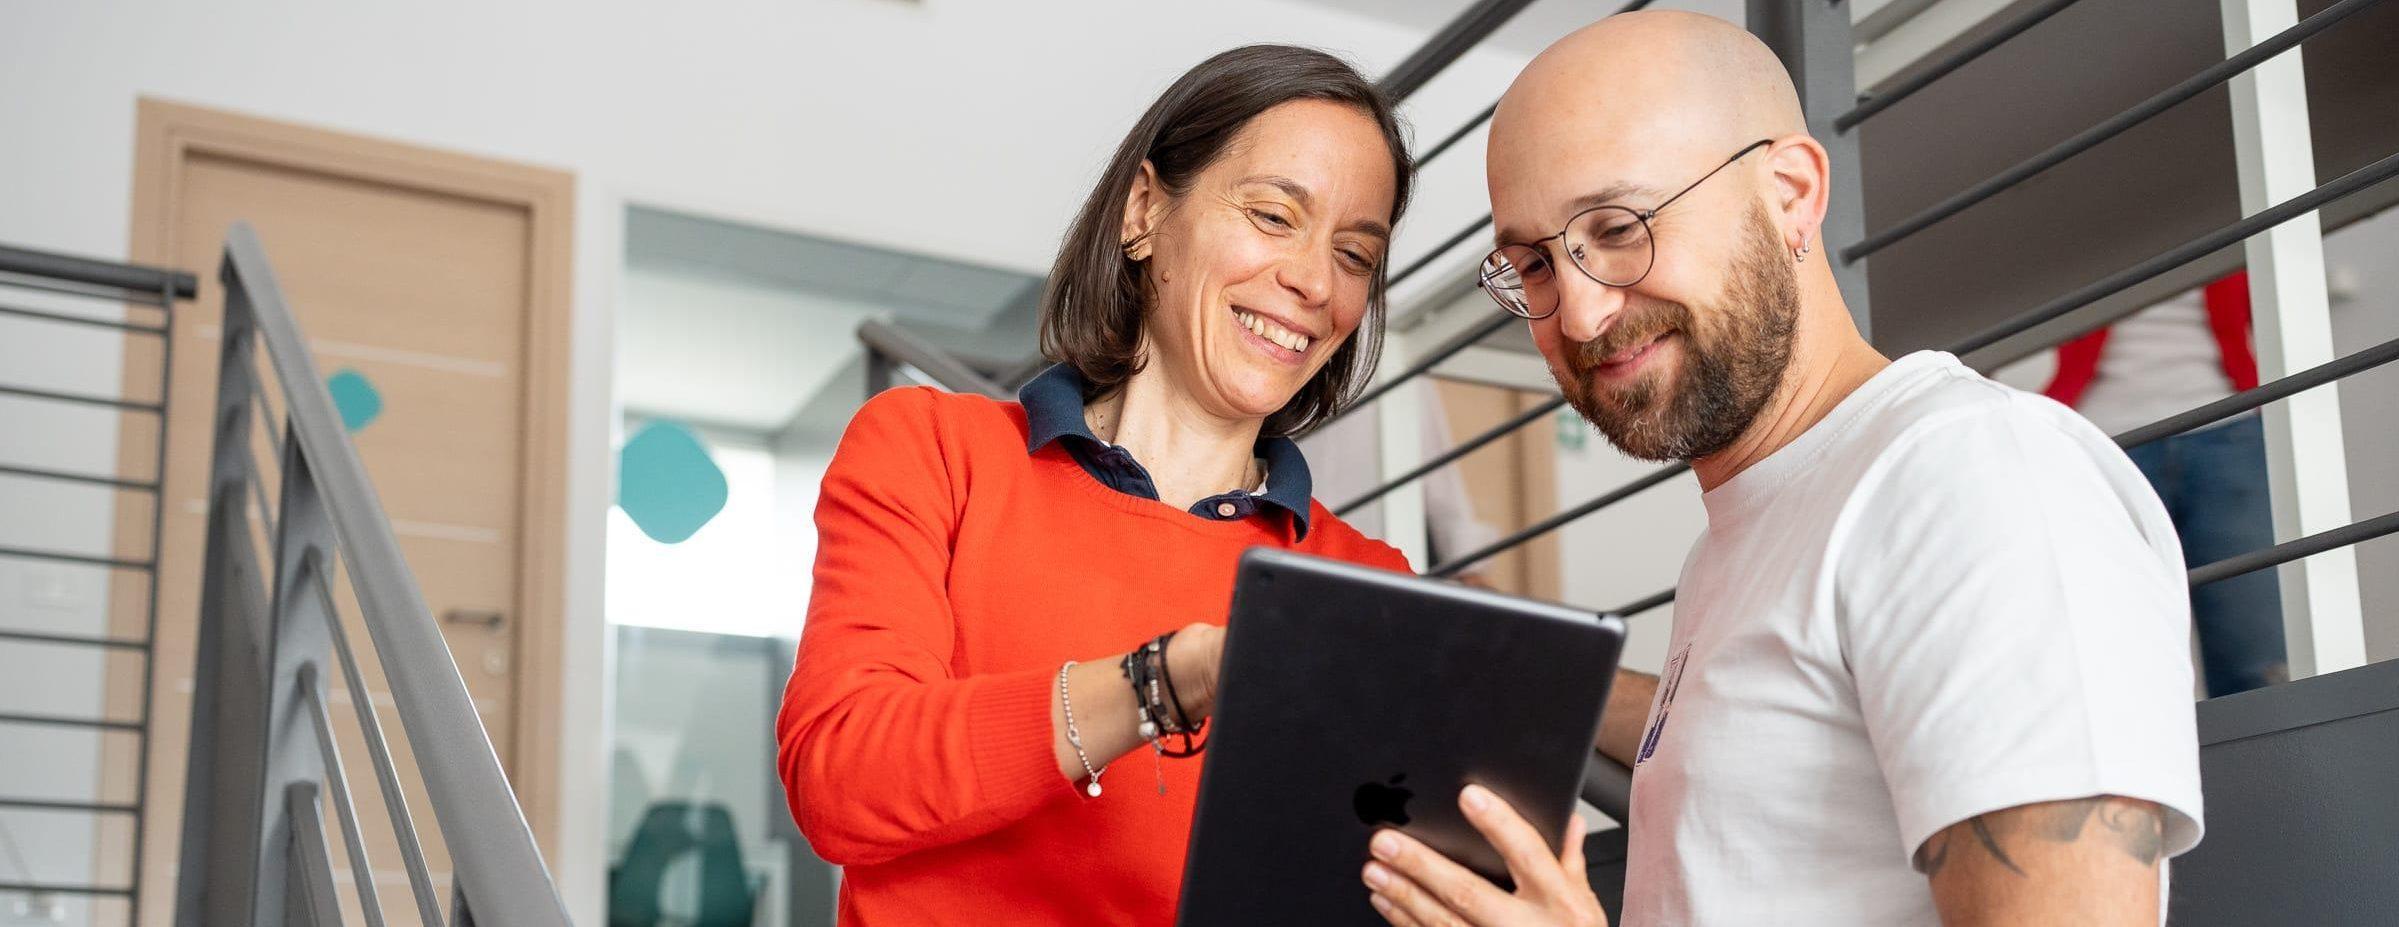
(1191, 659)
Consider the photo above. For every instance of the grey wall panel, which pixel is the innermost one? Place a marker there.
(2302, 784)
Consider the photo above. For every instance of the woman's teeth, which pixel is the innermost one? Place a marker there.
(1272, 332)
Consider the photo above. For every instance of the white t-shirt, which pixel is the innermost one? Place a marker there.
(1948, 597)
(2160, 361)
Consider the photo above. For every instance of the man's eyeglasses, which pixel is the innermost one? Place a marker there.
(1610, 244)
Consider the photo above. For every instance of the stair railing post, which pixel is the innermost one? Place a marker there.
(302, 642)
(222, 805)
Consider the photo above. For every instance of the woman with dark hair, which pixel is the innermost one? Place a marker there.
(1011, 597)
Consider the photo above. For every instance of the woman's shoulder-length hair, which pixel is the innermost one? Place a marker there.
(1093, 307)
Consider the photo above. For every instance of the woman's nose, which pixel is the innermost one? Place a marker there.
(1309, 275)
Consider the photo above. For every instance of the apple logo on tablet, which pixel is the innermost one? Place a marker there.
(1380, 803)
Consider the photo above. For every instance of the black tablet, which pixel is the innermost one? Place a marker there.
(1352, 699)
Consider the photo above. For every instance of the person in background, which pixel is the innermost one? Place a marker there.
(1930, 660)
(2167, 359)
(1014, 601)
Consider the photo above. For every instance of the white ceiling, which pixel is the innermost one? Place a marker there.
(1529, 31)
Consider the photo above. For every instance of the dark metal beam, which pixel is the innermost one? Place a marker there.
(41, 474)
(2263, 393)
(1813, 40)
(2187, 252)
(1444, 458)
(1552, 523)
(1958, 59)
(899, 345)
(73, 640)
(70, 319)
(1499, 319)
(2113, 126)
(1445, 47)
(133, 278)
(2287, 551)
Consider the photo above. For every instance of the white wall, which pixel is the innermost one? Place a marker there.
(964, 130)
(2365, 312)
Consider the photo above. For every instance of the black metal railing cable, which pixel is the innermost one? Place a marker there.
(2113, 126)
(1965, 55)
(2203, 416)
(2194, 249)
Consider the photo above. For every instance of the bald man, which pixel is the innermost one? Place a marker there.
(1929, 661)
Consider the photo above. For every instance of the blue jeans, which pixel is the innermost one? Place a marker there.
(2214, 485)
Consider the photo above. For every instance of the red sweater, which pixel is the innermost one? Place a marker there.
(955, 573)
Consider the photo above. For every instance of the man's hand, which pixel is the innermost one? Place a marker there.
(2082, 861)
(1413, 886)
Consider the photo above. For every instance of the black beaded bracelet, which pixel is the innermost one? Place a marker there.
(1184, 727)
(1154, 699)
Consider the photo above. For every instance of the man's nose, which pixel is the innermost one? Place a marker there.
(1585, 305)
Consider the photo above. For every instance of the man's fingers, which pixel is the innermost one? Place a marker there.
(1391, 911)
(1526, 853)
(1578, 872)
(1446, 892)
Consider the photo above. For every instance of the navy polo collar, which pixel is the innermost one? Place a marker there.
(1053, 405)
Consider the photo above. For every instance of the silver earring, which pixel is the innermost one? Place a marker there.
(1801, 255)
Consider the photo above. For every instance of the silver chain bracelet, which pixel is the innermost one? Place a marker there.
(1073, 738)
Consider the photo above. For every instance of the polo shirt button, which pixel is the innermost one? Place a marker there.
(1224, 510)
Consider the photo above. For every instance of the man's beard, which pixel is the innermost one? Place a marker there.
(1733, 362)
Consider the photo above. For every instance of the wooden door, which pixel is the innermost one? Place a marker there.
(1511, 483)
(438, 282)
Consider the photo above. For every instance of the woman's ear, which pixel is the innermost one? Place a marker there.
(1145, 202)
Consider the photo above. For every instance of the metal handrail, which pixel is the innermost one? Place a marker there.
(1446, 46)
(370, 728)
(125, 284)
(890, 344)
(2215, 74)
(2164, 262)
(2185, 253)
(1459, 134)
(2219, 410)
(1537, 412)
(145, 282)
(2196, 84)
(274, 743)
(2356, 532)
(1498, 319)
(1962, 57)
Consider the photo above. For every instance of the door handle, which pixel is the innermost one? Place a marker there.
(491, 618)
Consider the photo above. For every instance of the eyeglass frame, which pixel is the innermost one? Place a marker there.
(1483, 277)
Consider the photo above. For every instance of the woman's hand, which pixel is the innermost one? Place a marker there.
(1192, 658)
(1413, 886)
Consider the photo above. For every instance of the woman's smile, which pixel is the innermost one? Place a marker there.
(1269, 336)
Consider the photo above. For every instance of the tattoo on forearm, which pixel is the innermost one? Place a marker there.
(2136, 827)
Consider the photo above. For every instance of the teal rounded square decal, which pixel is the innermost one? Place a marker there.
(667, 483)
(354, 397)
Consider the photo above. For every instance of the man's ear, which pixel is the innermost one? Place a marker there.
(1800, 175)
(1145, 203)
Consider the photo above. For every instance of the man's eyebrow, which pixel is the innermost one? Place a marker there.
(1600, 197)
(1299, 194)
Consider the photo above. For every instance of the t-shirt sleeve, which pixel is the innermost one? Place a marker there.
(2016, 627)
